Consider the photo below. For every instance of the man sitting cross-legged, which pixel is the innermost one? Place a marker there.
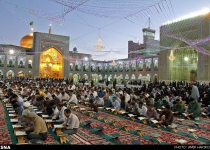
(142, 110)
(25, 121)
(60, 116)
(168, 119)
(71, 122)
(40, 128)
(151, 112)
(177, 108)
(193, 109)
(93, 106)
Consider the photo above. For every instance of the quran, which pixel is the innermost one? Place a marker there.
(154, 121)
(13, 120)
(142, 118)
(191, 130)
(19, 133)
(180, 141)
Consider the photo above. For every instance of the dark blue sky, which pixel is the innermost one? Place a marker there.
(84, 25)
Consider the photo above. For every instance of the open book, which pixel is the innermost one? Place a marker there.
(122, 112)
(16, 126)
(13, 120)
(45, 116)
(191, 130)
(20, 133)
(180, 119)
(131, 115)
(184, 114)
(180, 141)
(142, 118)
(48, 120)
(11, 111)
(58, 126)
(8, 106)
(113, 110)
(203, 113)
(107, 108)
(39, 112)
(12, 115)
(159, 109)
(154, 121)
(173, 126)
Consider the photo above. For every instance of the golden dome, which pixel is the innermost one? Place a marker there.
(27, 41)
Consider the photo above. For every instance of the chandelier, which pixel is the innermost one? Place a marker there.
(99, 45)
(171, 57)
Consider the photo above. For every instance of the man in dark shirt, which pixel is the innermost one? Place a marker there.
(114, 83)
(168, 116)
(93, 106)
(107, 101)
(205, 100)
(42, 104)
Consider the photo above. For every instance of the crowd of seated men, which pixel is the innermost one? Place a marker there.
(52, 98)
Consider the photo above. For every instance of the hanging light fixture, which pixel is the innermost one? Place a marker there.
(171, 57)
(113, 63)
(99, 45)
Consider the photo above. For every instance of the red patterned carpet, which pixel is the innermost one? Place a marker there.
(85, 137)
(88, 137)
(4, 132)
(50, 140)
(125, 137)
(166, 136)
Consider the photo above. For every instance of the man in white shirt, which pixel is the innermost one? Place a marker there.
(142, 110)
(73, 98)
(73, 87)
(99, 102)
(65, 96)
(71, 122)
(94, 93)
(60, 116)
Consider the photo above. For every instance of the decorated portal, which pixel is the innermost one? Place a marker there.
(51, 64)
(21, 74)
(76, 78)
(95, 78)
(10, 74)
(119, 79)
